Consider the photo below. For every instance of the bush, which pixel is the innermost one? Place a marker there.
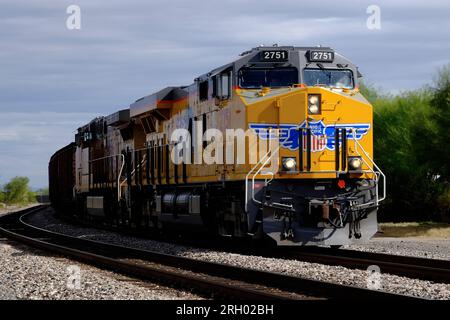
(411, 133)
(441, 115)
(31, 197)
(17, 191)
(441, 150)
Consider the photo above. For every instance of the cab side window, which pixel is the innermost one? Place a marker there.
(222, 86)
(203, 90)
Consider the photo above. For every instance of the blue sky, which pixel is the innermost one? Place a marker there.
(53, 80)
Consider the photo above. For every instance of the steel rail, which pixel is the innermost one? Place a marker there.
(106, 255)
(413, 267)
(200, 283)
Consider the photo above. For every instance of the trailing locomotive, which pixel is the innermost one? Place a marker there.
(277, 143)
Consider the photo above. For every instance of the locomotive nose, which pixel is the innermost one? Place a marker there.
(312, 121)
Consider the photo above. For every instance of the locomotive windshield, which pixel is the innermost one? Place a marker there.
(329, 78)
(257, 78)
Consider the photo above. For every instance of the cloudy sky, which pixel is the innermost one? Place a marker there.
(53, 79)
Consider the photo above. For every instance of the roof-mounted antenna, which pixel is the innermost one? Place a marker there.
(275, 45)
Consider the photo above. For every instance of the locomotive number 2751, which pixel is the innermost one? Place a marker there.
(279, 55)
(325, 56)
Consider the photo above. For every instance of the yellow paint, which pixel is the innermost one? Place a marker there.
(337, 108)
(280, 106)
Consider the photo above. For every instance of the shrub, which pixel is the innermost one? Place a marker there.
(411, 133)
(17, 191)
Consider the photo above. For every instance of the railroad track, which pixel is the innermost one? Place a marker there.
(219, 280)
(407, 266)
(412, 267)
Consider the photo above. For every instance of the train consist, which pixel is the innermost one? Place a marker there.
(278, 143)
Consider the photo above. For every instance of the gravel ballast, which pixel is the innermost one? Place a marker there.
(28, 273)
(416, 247)
(337, 274)
(33, 274)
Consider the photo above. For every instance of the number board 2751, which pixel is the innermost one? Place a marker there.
(320, 56)
(274, 55)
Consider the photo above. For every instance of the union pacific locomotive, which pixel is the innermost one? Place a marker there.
(289, 140)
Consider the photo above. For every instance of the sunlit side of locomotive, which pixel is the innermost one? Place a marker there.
(306, 175)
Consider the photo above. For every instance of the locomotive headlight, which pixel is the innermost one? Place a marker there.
(314, 103)
(355, 163)
(289, 164)
(313, 99)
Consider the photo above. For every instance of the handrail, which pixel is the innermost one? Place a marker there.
(119, 192)
(247, 178)
(377, 173)
(144, 158)
(266, 173)
(256, 170)
(261, 164)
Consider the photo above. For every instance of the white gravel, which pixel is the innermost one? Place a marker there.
(417, 247)
(27, 273)
(388, 282)
(32, 274)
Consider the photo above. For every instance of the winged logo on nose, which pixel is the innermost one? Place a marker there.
(322, 136)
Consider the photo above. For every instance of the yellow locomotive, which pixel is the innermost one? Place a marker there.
(277, 143)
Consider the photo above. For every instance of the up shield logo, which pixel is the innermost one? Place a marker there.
(322, 136)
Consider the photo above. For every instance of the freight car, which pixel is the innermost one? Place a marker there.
(62, 177)
(278, 143)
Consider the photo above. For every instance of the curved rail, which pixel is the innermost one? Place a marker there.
(118, 258)
(115, 259)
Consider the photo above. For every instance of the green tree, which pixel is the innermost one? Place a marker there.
(17, 191)
(441, 113)
(372, 93)
(411, 133)
(31, 196)
(440, 155)
(401, 125)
